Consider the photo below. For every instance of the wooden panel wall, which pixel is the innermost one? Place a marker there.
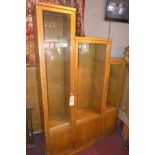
(32, 97)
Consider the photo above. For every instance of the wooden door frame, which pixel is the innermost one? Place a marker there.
(107, 68)
(121, 61)
(39, 8)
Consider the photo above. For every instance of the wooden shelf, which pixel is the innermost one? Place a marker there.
(111, 108)
(86, 113)
(117, 60)
(59, 120)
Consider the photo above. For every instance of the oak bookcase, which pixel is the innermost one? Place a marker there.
(73, 77)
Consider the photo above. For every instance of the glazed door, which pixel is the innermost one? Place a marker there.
(92, 62)
(56, 29)
(57, 36)
(116, 78)
(57, 42)
(91, 78)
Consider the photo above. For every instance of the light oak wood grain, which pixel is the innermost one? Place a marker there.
(53, 146)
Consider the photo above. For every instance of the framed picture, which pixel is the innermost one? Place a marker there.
(117, 10)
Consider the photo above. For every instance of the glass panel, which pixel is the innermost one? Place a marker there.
(91, 68)
(57, 54)
(115, 85)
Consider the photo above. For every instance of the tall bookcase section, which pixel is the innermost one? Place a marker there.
(55, 32)
(92, 63)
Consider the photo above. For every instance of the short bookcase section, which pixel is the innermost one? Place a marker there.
(117, 70)
(92, 61)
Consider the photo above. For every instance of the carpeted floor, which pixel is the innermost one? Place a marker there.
(113, 145)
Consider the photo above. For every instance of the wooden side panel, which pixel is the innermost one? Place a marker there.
(60, 140)
(85, 131)
(124, 104)
(109, 121)
(32, 99)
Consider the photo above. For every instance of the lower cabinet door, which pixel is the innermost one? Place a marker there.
(109, 122)
(87, 131)
(61, 141)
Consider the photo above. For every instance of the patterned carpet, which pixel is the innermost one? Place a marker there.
(113, 145)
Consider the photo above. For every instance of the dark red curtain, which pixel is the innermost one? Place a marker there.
(78, 4)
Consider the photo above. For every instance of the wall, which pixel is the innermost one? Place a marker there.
(96, 26)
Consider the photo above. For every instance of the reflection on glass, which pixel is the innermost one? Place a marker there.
(57, 54)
